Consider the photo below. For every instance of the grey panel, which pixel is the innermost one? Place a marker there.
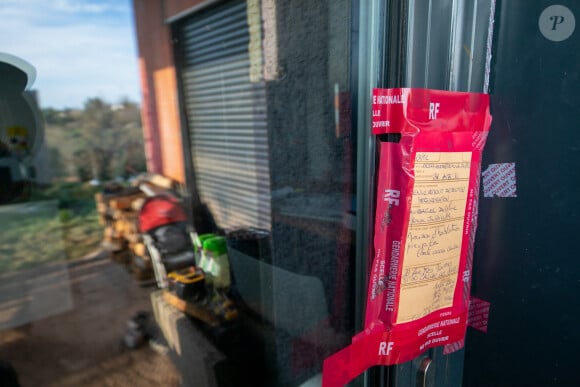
(526, 259)
(226, 115)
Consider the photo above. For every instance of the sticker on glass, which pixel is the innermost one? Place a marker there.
(499, 181)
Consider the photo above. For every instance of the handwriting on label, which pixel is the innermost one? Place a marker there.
(433, 243)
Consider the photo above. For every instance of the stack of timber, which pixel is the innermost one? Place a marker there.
(118, 209)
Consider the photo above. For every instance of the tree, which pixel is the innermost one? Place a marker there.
(110, 135)
(57, 163)
(101, 140)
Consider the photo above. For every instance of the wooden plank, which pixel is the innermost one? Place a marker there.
(102, 208)
(124, 202)
(161, 181)
(116, 214)
(134, 238)
(190, 309)
(109, 232)
(99, 197)
(137, 204)
(139, 249)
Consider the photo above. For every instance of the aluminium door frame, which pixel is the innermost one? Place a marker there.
(387, 57)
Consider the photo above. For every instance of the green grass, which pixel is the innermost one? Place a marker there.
(61, 223)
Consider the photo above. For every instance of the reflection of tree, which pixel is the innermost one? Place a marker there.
(100, 141)
(57, 163)
(98, 136)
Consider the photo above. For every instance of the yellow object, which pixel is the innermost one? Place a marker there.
(186, 277)
(17, 131)
(18, 136)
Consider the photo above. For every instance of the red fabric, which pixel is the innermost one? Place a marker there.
(159, 211)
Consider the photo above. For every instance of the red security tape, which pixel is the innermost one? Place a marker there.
(425, 221)
(453, 347)
(478, 314)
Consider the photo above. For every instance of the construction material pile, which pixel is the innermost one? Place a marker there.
(118, 207)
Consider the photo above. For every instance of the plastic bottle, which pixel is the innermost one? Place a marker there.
(215, 253)
(198, 249)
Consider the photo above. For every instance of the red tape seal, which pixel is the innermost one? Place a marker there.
(478, 314)
(425, 222)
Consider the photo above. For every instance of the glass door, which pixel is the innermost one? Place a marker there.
(423, 44)
(525, 262)
(267, 91)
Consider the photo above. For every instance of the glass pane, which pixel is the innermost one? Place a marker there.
(70, 127)
(312, 161)
(525, 262)
(275, 169)
(244, 122)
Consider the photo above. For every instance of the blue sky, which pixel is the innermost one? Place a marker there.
(80, 48)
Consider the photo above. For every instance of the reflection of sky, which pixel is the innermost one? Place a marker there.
(80, 48)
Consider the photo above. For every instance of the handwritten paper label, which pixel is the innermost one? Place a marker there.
(433, 244)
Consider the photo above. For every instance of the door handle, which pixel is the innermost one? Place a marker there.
(426, 373)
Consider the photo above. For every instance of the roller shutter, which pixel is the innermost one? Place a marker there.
(226, 116)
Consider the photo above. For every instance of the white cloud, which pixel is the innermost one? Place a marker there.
(77, 6)
(80, 49)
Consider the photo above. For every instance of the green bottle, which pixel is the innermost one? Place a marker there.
(215, 256)
(198, 248)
